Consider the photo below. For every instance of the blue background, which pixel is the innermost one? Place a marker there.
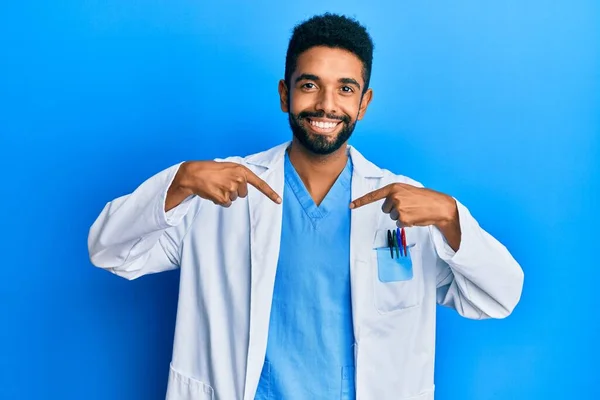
(496, 103)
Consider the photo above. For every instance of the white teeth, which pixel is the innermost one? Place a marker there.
(323, 125)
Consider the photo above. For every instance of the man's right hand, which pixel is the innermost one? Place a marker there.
(220, 182)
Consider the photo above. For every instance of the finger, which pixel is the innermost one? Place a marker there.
(222, 199)
(233, 195)
(394, 214)
(222, 203)
(242, 190)
(388, 205)
(371, 197)
(261, 185)
(404, 223)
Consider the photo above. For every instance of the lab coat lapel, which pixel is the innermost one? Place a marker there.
(364, 222)
(265, 235)
(364, 219)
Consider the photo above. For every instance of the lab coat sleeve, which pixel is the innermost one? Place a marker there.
(481, 280)
(134, 236)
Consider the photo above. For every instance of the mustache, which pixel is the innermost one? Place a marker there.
(322, 114)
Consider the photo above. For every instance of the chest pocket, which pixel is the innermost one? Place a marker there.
(396, 275)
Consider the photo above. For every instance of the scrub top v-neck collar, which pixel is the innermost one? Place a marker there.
(331, 200)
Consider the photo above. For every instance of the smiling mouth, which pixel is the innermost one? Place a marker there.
(323, 126)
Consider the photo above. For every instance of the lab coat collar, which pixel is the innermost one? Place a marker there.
(274, 156)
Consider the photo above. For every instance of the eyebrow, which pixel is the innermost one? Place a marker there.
(350, 81)
(311, 77)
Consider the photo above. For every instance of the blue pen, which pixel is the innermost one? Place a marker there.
(398, 239)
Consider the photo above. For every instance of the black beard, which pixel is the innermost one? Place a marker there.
(317, 144)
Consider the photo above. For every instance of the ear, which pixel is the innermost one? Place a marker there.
(283, 96)
(364, 103)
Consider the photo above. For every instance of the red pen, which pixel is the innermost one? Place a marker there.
(404, 241)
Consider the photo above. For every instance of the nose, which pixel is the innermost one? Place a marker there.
(326, 102)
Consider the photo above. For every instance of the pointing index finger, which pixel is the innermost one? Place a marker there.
(371, 197)
(261, 185)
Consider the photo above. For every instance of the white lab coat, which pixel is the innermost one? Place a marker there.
(228, 257)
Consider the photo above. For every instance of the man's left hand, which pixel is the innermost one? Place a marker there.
(410, 205)
(414, 206)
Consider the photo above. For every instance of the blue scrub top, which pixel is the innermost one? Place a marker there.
(310, 353)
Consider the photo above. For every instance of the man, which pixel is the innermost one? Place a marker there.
(307, 272)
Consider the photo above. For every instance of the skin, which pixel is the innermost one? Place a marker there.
(327, 81)
(413, 206)
(327, 85)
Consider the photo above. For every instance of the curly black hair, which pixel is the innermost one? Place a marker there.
(330, 30)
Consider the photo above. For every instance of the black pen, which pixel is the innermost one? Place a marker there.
(390, 243)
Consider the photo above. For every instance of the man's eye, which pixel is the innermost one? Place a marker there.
(308, 85)
(347, 89)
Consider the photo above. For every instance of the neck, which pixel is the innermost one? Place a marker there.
(318, 172)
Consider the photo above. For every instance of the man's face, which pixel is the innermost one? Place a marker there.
(325, 98)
